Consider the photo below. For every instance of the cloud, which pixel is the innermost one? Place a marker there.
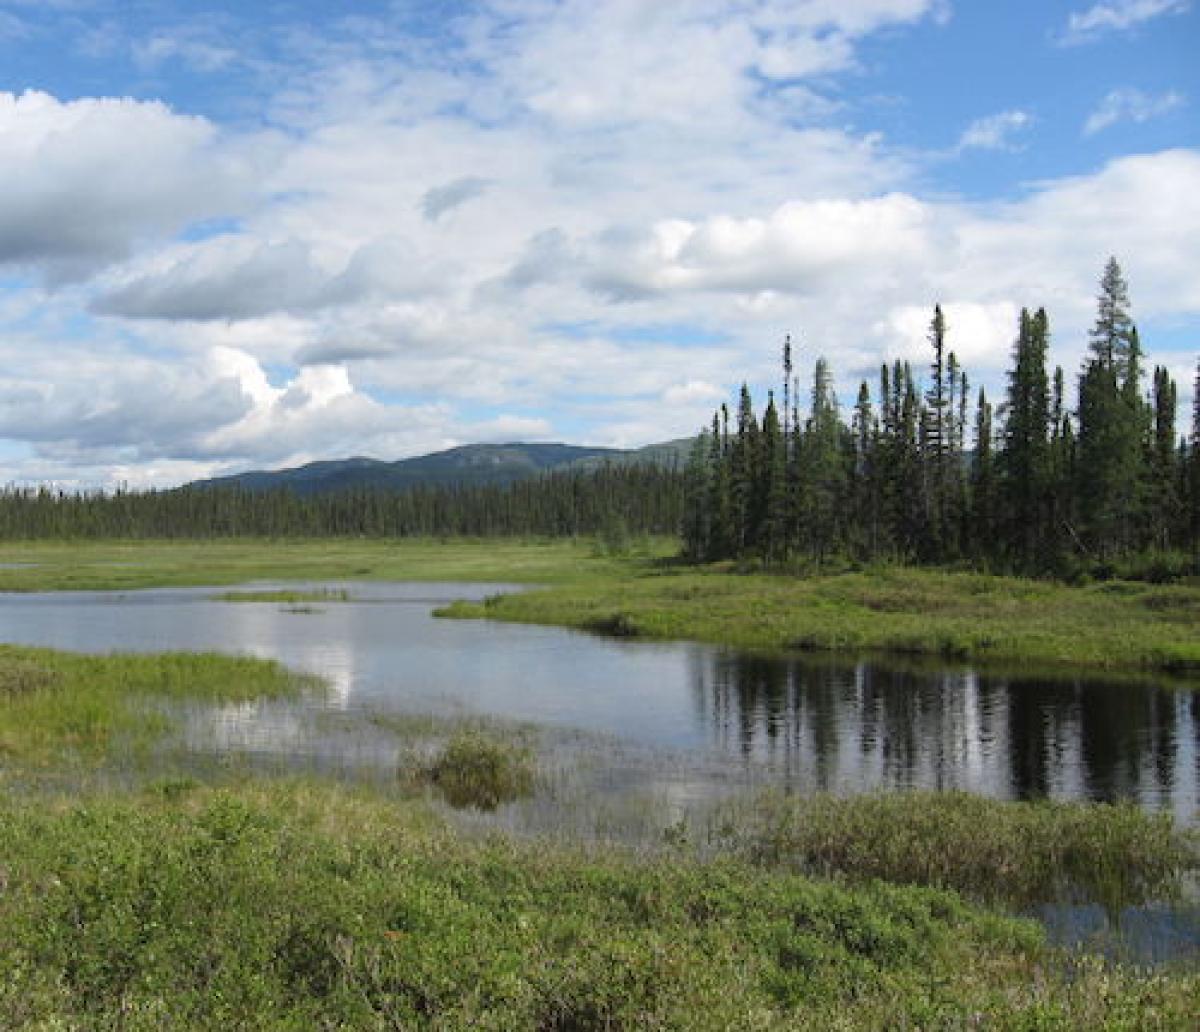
(1130, 105)
(1117, 16)
(441, 199)
(468, 236)
(801, 247)
(199, 54)
(82, 182)
(237, 278)
(995, 132)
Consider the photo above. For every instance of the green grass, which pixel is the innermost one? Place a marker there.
(123, 565)
(298, 906)
(1013, 854)
(898, 611)
(55, 705)
(1116, 625)
(483, 771)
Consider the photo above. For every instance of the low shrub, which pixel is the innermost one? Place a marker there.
(479, 770)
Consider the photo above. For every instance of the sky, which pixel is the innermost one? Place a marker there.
(239, 236)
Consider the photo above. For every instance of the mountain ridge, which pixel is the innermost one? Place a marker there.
(464, 465)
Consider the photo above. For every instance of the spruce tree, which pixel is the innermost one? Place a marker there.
(1024, 460)
(935, 432)
(983, 482)
(1110, 472)
(1162, 488)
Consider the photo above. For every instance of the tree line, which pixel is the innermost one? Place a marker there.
(1045, 487)
(613, 500)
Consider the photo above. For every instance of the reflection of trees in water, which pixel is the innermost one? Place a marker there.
(1123, 739)
(830, 726)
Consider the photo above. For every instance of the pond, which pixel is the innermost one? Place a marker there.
(633, 733)
(797, 722)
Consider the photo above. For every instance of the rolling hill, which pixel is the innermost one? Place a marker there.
(467, 464)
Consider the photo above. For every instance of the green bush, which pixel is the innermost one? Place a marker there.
(296, 908)
(478, 770)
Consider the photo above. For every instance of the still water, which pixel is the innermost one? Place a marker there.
(681, 721)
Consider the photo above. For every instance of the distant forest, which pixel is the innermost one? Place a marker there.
(614, 500)
(1046, 488)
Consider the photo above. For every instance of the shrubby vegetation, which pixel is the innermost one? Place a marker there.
(298, 907)
(479, 770)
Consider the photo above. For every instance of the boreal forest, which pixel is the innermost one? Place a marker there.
(1067, 472)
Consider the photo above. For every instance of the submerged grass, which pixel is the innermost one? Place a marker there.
(287, 597)
(55, 705)
(297, 906)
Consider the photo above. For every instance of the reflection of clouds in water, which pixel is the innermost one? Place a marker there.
(246, 727)
(804, 725)
(326, 647)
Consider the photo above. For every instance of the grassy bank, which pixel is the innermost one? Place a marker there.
(1116, 625)
(57, 705)
(295, 906)
(899, 611)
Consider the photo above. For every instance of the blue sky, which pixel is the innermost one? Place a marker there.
(244, 235)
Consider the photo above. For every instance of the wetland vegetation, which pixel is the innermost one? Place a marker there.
(642, 591)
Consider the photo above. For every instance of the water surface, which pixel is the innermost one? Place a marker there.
(684, 719)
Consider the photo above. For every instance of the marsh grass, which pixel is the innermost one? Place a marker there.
(297, 906)
(1014, 854)
(964, 617)
(479, 770)
(55, 705)
(293, 598)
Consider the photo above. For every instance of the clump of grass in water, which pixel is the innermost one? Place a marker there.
(478, 770)
(290, 597)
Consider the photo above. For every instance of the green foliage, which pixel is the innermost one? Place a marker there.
(478, 770)
(299, 908)
(56, 704)
(993, 851)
